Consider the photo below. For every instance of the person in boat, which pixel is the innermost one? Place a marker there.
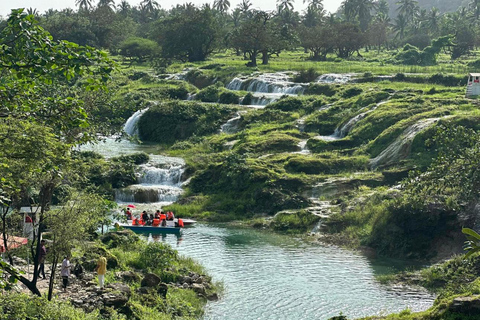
(170, 216)
(144, 217)
(129, 214)
(151, 218)
(157, 214)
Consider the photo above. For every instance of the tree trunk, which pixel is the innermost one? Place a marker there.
(52, 277)
(265, 57)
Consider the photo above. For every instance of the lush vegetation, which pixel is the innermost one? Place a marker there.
(402, 121)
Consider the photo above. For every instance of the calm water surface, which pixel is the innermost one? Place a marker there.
(269, 276)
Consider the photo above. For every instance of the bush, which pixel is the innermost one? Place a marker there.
(352, 92)
(209, 94)
(180, 92)
(229, 97)
(287, 105)
(136, 158)
(326, 166)
(306, 76)
(157, 256)
(247, 100)
(324, 89)
(297, 222)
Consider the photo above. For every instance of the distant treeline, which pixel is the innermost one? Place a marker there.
(191, 33)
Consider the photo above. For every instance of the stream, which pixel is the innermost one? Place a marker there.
(265, 275)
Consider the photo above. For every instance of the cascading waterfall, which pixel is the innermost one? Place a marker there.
(231, 126)
(159, 181)
(334, 78)
(267, 83)
(400, 148)
(130, 126)
(341, 132)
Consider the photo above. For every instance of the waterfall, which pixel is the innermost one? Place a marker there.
(267, 83)
(130, 126)
(303, 147)
(334, 78)
(341, 132)
(400, 148)
(231, 126)
(159, 180)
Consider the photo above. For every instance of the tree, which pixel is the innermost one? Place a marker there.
(245, 6)
(475, 7)
(124, 8)
(284, 5)
(315, 4)
(358, 8)
(349, 38)
(138, 49)
(400, 26)
(319, 40)
(221, 5)
(188, 34)
(407, 8)
(84, 4)
(149, 5)
(106, 3)
(37, 100)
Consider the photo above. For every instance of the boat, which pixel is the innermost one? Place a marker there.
(151, 229)
(188, 222)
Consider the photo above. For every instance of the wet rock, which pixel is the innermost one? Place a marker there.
(466, 305)
(212, 297)
(198, 288)
(150, 280)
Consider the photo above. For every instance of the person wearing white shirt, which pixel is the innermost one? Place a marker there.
(65, 272)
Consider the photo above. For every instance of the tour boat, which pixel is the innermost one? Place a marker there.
(151, 229)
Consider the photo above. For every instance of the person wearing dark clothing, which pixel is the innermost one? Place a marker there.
(145, 217)
(157, 214)
(41, 259)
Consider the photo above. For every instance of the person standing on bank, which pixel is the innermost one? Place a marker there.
(41, 259)
(65, 272)
(101, 271)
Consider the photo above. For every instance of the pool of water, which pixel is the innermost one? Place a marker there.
(270, 276)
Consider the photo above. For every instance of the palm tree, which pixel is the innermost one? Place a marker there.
(360, 8)
(400, 26)
(245, 6)
(284, 5)
(149, 5)
(475, 6)
(106, 3)
(124, 7)
(314, 4)
(84, 4)
(221, 5)
(433, 20)
(33, 12)
(382, 7)
(407, 8)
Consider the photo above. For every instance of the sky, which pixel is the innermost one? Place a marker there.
(43, 5)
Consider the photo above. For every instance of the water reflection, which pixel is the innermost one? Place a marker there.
(269, 276)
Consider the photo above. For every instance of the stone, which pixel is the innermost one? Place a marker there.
(198, 288)
(162, 290)
(466, 305)
(185, 286)
(128, 276)
(199, 280)
(150, 280)
(187, 279)
(116, 286)
(212, 297)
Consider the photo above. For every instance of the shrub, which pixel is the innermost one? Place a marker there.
(136, 158)
(324, 89)
(319, 165)
(247, 100)
(306, 75)
(209, 94)
(297, 222)
(352, 92)
(228, 97)
(287, 104)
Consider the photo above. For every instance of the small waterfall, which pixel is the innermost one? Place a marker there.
(342, 131)
(130, 126)
(400, 148)
(267, 83)
(231, 126)
(303, 147)
(334, 78)
(160, 180)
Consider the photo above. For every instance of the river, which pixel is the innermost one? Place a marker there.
(271, 276)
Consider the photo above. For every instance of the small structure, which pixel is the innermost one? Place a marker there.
(30, 219)
(473, 85)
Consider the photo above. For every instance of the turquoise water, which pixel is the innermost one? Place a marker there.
(269, 276)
